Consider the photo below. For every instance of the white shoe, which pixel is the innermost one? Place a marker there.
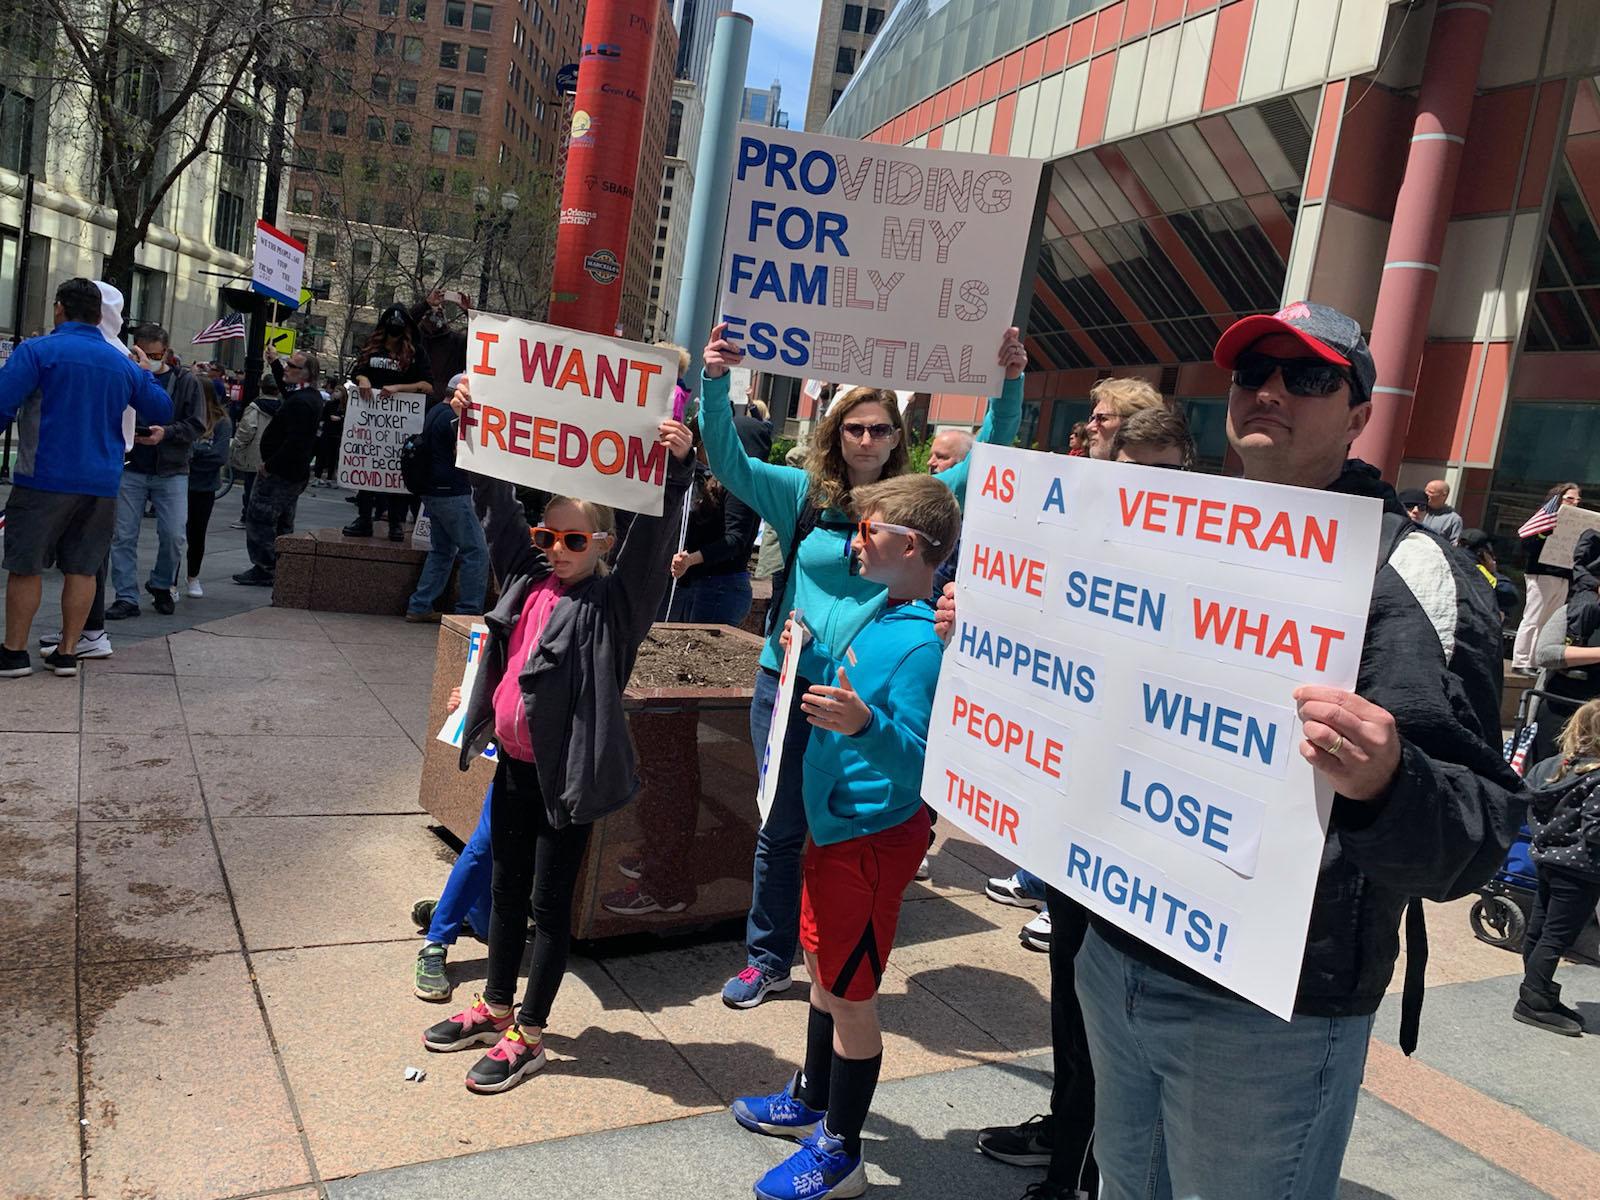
(924, 871)
(96, 645)
(1035, 934)
(195, 590)
(1009, 891)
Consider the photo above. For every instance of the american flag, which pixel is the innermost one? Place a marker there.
(220, 330)
(1542, 521)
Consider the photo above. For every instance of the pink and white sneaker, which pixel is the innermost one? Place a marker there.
(510, 1062)
(477, 1026)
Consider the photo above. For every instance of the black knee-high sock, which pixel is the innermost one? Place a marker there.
(850, 1096)
(817, 1073)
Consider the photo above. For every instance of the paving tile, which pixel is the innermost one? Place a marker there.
(407, 703)
(177, 1045)
(313, 707)
(363, 630)
(251, 658)
(39, 1086)
(608, 1067)
(138, 776)
(149, 657)
(37, 873)
(39, 703)
(354, 877)
(1455, 955)
(384, 665)
(150, 889)
(39, 777)
(953, 842)
(289, 624)
(1395, 1157)
(680, 991)
(274, 776)
(130, 704)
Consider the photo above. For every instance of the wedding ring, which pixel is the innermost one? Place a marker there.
(1338, 744)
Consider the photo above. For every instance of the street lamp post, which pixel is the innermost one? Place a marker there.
(491, 225)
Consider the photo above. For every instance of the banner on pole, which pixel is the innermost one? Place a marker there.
(375, 427)
(872, 264)
(280, 265)
(572, 413)
(1116, 710)
(772, 754)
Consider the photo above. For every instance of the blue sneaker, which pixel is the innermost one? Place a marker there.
(751, 986)
(781, 1114)
(819, 1170)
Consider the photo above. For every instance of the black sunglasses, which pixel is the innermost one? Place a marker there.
(1304, 377)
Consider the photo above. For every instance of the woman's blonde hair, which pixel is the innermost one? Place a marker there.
(683, 356)
(1580, 738)
(1127, 396)
(601, 520)
(830, 478)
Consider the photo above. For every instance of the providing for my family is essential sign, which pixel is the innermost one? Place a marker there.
(572, 413)
(873, 264)
(1116, 708)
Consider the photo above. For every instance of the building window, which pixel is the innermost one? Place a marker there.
(874, 20)
(417, 10)
(411, 51)
(466, 143)
(405, 92)
(436, 178)
(311, 120)
(461, 183)
(380, 87)
(327, 245)
(482, 17)
(341, 79)
(852, 18)
(477, 60)
(361, 253)
(450, 55)
(471, 101)
(301, 200)
(305, 158)
(402, 133)
(845, 64)
(394, 213)
(338, 122)
(388, 8)
(444, 98)
(333, 163)
(674, 128)
(344, 40)
(383, 44)
(440, 141)
(371, 169)
(235, 137)
(228, 228)
(375, 129)
(455, 14)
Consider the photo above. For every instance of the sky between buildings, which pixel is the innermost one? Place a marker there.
(781, 47)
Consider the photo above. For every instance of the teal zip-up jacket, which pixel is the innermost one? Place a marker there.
(836, 604)
(872, 780)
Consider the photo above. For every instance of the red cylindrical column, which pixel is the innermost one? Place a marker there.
(1421, 217)
(602, 163)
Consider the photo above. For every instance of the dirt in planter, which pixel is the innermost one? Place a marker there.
(675, 657)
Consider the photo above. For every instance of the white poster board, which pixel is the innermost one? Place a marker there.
(772, 754)
(873, 264)
(280, 265)
(1571, 522)
(571, 413)
(375, 427)
(454, 727)
(1115, 711)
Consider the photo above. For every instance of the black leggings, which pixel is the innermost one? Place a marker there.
(1562, 908)
(530, 858)
(389, 506)
(200, 505)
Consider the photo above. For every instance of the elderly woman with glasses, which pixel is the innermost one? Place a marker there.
(1115, 400)
(860, 441)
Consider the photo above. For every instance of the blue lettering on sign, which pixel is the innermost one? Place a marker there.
(1187, 815)
(806, 285)
(1211, 723)
(1055, 500)
(765, 341)
(798, 228)
(817, 172)
(1175, 918)
(1125, 602)
(1042, 667)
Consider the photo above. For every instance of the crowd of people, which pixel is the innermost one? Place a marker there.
(1165, 1084)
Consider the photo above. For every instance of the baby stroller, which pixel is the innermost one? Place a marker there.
(1500, 914)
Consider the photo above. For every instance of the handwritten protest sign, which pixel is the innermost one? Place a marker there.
(1571, 523)
(375, 427)
(1116, 712)
(454, 727)
(572, 413)
(873, 264)
(772, 755)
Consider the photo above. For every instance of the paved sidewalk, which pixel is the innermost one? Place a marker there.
(213, 842)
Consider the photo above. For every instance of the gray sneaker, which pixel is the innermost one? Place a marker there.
(431, 981)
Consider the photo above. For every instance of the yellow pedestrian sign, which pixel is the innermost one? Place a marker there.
(281, 338)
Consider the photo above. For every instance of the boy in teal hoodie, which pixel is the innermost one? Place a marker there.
(869, 831)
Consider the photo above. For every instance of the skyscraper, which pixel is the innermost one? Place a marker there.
(844, 34)
(760, 106)
(696, 21)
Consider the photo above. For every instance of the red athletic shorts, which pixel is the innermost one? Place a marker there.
(850, 905)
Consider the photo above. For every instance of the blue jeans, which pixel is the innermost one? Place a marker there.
(466, 894)
(1200, 1095)
(456, 531)
(1032, 886)
(772, 933)
(709, 600)
(170, 495)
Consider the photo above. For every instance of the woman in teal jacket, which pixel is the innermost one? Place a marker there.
(861, 440)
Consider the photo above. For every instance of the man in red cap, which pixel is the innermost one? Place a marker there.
(1200, 1094)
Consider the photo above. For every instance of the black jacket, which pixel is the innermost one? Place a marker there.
(723, 531)
(1432, 659)
(1564, 816)
(171, 455)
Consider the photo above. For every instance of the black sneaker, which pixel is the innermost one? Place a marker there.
(14, 664)
(254, 577)
(510, 1062)
(161, 598)
(1547, 1019)
(1025, 1145)
(121, 610)
(61, 664)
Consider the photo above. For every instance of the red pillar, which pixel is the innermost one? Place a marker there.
(597, 194)
(1421, 217)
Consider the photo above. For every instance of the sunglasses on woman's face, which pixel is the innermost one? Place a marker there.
(868, 527)
(1303, 377)
(860, 432)
(575, 540)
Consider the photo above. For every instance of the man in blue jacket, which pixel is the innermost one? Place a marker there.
(67, 392)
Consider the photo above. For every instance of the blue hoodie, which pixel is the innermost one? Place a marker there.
(71, 388)
(872, 780)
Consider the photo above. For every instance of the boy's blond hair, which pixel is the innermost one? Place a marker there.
(918, 502)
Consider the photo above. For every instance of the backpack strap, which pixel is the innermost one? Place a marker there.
(808, 518)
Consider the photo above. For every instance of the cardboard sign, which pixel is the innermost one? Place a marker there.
(1571, 522)
(1116, 708)
(422, 532)
(772, 755)
(454, 727)
(374, 430)
(280, 265)
(881, 265)
(571, 413)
